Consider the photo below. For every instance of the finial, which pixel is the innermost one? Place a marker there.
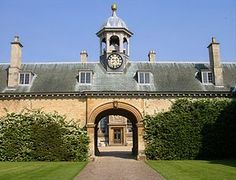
(114, 8)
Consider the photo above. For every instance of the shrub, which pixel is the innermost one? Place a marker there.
(39, 136)
(192, 129)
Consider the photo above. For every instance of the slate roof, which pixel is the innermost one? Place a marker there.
(62, 77)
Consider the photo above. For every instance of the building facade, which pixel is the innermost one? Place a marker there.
(115, 130)
(114, 86)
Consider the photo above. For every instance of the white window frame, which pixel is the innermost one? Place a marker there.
(144, 78)
(85, 79)
(206, 78)
(26, 82)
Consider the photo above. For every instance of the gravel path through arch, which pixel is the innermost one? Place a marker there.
(117, 164)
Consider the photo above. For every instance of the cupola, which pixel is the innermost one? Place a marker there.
(114, 38)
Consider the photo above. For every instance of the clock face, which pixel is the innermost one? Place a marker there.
(114, 61)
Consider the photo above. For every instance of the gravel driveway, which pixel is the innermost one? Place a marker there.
(116, 163)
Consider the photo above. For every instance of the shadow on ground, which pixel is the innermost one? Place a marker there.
(231, 162)
(124, 152)
(119, 154)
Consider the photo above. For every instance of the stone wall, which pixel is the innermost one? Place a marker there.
(72, 108)
(79, 108)
(144, 105)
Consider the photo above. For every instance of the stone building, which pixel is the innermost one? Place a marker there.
(114, 86)
(115, 131)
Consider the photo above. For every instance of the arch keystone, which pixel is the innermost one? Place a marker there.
(115, 105)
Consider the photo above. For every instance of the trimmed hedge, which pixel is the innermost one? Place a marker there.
(193, 129)
(39, 136)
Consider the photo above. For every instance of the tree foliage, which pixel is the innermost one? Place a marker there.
(40, 136)
(193, 129)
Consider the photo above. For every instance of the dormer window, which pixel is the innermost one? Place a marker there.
(25, 78)
(85, 77)
(207, 77)
(144, 77)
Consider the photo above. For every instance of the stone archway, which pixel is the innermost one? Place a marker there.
(117, 108)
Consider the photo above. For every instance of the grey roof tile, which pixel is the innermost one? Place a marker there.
(165, 77)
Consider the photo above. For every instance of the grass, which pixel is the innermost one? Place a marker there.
(196, 169)
(40, 170)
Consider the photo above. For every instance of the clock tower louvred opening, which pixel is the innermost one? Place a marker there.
(114, 43)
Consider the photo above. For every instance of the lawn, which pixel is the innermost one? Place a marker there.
(194, 169)
(40, 170)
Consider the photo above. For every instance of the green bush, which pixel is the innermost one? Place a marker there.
(193, 129)
(39, 136)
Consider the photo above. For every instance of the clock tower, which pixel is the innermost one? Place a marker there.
(114, 43)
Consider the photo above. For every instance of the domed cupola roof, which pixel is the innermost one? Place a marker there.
(114, 21)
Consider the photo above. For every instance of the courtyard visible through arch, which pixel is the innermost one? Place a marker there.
(116, 132)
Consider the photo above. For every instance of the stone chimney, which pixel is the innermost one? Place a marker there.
(152, 56)
(84, 56)
(215, 64)
(15, 63)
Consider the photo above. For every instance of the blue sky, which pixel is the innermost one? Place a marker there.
(178, 30)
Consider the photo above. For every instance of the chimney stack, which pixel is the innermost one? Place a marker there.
(215, 64)
(15, 63)
(84, 56)
(152, 56)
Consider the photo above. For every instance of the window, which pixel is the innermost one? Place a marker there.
(25, 78)
(144, 77)
(207, 77)
(85, 77)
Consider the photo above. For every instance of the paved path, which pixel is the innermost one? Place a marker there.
(115, 164)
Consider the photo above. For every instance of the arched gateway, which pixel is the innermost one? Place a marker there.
(122, 109)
